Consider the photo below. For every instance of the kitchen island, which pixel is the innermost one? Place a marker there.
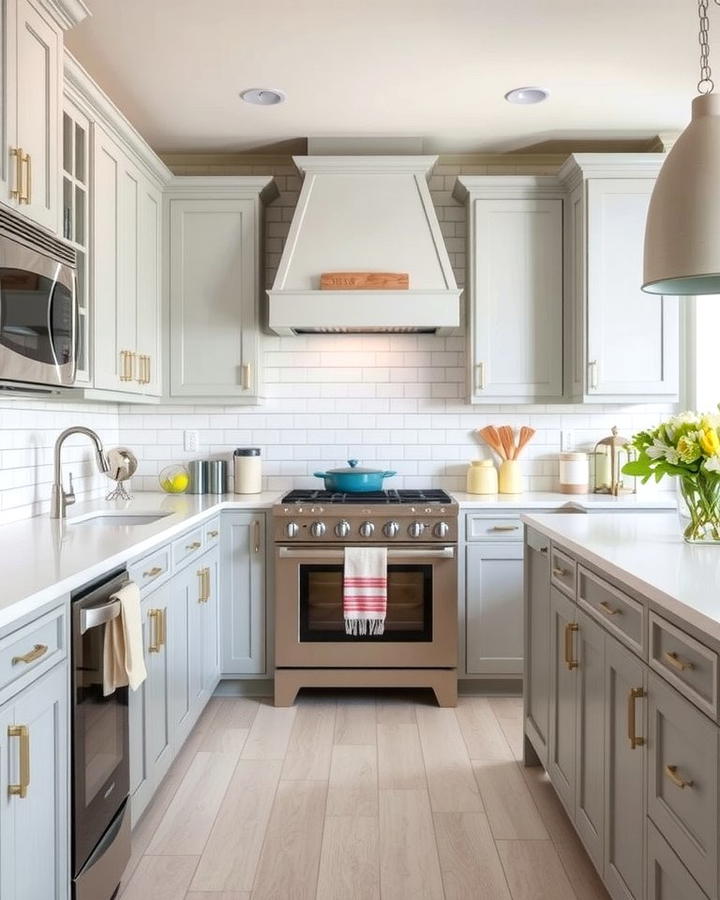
(622, 634)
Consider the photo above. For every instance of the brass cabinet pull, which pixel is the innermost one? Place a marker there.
(143, 369)
(246, 376)
(544, 550)
(155, 626)
(37, 651)
(560, 573)
(152, 573)
(127, 364)
(674, 660)
(609, 610)
(22, 732)
(213, 534)
(593, 368)
(148, 377)
(207, 584)
(570, 629)
(204, 586)
(17, 154)
(633, 695)
(163, 626)
(671, 772)
(256, 539)
(480, 380)
(193, 546)
(504, 528)
(27, 159)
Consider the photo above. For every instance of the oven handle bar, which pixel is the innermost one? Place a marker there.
(98, 615)
(440, 553)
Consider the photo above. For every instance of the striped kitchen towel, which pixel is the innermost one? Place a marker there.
(365, 590)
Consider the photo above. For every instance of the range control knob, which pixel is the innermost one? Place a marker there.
(292, 529)
(317, 529)
(342, 529)
(441, 530)
(391, 529)
(367, 529)
(415, 529)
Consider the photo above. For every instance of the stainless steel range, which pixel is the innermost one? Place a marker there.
(311, 530)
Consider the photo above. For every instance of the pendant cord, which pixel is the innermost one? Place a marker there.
(706, 83)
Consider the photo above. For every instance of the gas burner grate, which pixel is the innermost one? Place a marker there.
(390, 496)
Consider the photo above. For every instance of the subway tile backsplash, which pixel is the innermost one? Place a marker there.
(392, 401)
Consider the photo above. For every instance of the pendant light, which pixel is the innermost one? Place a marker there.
(682, 233)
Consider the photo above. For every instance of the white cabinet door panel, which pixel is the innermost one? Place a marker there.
(518, 298)
(632, 337)
(494, 608)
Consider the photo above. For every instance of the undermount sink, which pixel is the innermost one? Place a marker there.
(103, 518)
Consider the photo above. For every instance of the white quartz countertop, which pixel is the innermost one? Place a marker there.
(646, 553)
(44, 558)
(554, 500)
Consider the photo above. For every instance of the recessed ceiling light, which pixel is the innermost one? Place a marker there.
(527, 95)
(263, 96)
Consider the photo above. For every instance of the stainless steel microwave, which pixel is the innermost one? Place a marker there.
(38, 311)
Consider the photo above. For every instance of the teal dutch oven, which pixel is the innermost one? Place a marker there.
(354, 480)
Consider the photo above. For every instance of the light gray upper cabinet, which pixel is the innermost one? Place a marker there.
(34, 821)
(536, 682)
(214, 280)
(622, 344)
(515, 287)
(493, 608)
(625, 724)
(590, 737)
(243, 610)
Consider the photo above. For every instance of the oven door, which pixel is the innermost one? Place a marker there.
(38, 317)
(101, 771)
(421, 622)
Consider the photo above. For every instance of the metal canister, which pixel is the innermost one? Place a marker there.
(217, 476)
(198, 469)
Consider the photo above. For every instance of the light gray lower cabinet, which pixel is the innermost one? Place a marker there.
(151, 747)
(625, 771)
(493, 608)
(563, 697)
(683, 781)
(34, 826)
(243, 608)
(536, 686)
(590, 736)
(667, 877)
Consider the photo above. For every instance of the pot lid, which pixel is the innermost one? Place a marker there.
(353, 464)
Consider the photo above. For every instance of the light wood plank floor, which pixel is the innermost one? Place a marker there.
(357, 796)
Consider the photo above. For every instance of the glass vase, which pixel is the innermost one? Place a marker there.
(699, 507)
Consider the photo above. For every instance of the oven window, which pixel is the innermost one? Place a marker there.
(36, 317)
(409, 609)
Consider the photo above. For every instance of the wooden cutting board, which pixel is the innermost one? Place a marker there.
(364, 281)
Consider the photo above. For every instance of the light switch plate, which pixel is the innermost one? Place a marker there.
(191, 441)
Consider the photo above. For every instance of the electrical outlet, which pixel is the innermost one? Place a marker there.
(567, 440)
(192, 441)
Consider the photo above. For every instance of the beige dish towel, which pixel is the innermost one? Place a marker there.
(123, 659)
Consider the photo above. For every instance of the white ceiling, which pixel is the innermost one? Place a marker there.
(431, 68)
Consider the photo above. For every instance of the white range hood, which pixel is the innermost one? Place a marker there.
(364, 214)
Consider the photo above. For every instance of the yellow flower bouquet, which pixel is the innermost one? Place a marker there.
(686, 446)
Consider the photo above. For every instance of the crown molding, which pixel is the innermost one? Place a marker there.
(581, 166)
(262, 186)
(472, 187)
(67, 13)
(82, 90)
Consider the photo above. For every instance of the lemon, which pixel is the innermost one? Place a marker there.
(175, 482)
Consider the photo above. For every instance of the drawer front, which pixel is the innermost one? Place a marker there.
(618, 612)
(691, 667)
(211, 532)
(151, 570)
(497, 528)
(35, 648)
(563, 572)
(683, 780)
(187, 547)
(667, 877)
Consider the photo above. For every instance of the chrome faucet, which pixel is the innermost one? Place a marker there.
(61, 499)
